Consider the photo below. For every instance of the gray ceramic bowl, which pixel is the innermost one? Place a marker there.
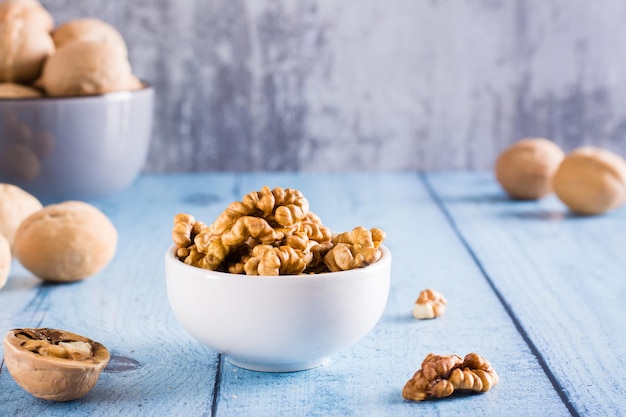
(75, 147)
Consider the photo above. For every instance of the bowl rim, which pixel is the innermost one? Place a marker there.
(147, 87)
(209, 274)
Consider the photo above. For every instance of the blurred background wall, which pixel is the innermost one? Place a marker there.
(370, 84)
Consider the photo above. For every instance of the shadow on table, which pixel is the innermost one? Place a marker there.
(491, 198)
(552, 215)
(21, 281)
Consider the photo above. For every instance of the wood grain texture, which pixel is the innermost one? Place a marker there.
(367, 379)
(562, 277)
(329, 85)
(125, 307)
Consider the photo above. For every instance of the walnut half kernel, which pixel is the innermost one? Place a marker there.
(440, 376)
(272, 232)
(54, 364)
(429, 304)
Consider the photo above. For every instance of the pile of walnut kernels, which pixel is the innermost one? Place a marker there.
(272, 232)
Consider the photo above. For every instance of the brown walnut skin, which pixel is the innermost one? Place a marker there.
(525, 169)
(49, 377)
(591, 181)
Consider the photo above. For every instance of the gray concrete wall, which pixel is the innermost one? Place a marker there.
(370, 84)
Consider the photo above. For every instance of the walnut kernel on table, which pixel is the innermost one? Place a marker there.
(272, 232)
(429, 304)
(441, 376)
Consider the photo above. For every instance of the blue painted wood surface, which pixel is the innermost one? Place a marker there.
(537, 292)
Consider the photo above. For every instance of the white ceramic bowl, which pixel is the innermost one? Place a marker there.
(277, 324)
(74, 148)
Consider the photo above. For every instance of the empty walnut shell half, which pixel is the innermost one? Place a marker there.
(54, 364)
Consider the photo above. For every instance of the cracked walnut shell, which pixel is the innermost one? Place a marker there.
(54, 364)
(440, 376)
(429, 304)
(591, 181)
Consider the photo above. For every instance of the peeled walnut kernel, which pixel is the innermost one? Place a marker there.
(186, 228)
(429, 304)
(526, 168)
(440, 376)
(54, 364)
(272, 232)
(355, 249)
(591, 181)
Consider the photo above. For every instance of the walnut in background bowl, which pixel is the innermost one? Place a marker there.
(25, 41)
(75, 122)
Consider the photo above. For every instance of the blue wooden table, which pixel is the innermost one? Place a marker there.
(538, 292)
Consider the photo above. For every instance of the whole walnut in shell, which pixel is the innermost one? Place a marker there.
(54, 364)
(65, 242)
(525, 169)
(13, 90)
(90, 30)
(5, 260)
(15, 205)
(23, 51)
(30, 12)
(591, 181)
(86, 68)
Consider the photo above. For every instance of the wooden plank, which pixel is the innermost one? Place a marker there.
(367, 379)
(157, 368)
(562, 277)
(125, 308)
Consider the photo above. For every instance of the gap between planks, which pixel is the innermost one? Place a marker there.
(216, 386)
(507, 307)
